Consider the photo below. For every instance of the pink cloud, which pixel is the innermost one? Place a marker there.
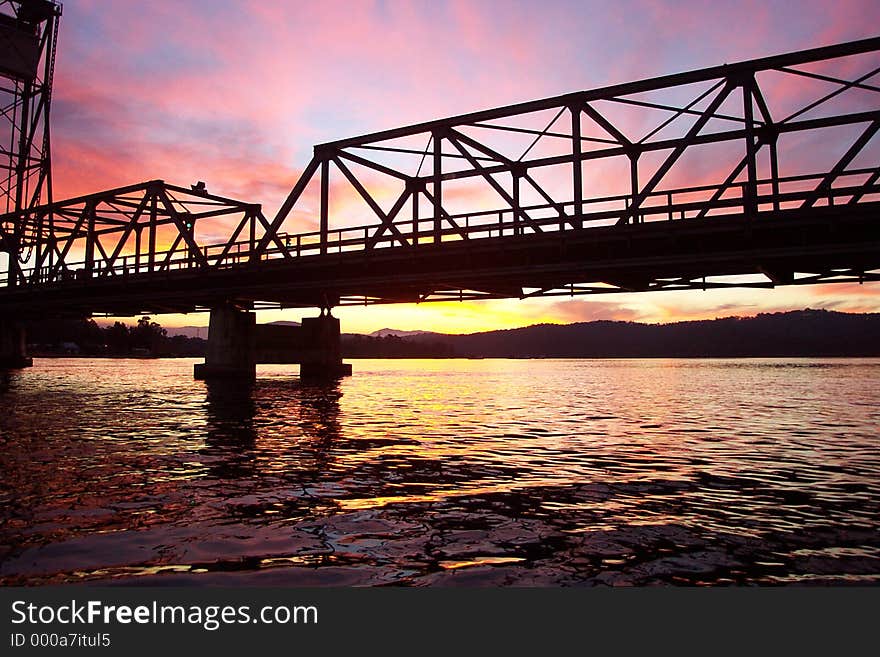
(579, 310)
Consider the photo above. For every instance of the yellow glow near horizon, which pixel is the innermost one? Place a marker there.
(653, 307)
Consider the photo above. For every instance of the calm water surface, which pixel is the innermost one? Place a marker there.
(447, 472)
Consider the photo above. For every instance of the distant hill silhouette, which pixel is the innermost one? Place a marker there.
(797, 333)
(385, 332)
(188, 331)
(202, 331)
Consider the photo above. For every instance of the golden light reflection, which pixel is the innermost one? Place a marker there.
(480, 561)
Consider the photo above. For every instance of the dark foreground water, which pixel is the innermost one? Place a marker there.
(481, 472)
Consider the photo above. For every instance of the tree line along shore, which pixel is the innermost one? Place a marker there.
(799, 333)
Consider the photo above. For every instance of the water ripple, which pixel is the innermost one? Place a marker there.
(481, 472)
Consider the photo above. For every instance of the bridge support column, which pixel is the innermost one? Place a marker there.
(322, 349)
(13, 349)
(231, 345)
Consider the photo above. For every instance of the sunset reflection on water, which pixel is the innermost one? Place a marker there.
(473, 472)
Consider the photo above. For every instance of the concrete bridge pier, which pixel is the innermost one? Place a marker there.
(321, 349)
(236, 344)
(231, 345)
(13, 346)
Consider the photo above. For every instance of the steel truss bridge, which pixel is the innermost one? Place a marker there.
(754, 174)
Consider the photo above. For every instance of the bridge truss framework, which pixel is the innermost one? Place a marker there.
(423, 190)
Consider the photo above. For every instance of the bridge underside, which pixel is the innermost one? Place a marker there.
(787, 247)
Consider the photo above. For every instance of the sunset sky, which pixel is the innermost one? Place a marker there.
(236, 93)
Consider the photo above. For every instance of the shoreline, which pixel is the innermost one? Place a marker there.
(648, 357)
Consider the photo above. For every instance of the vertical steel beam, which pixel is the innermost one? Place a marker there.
(517, 226)
(48, 75)
(137, 248)
(577, 165)
(325, 204)
(415, 214)
(24, 147)
(750, 200)
(634, 185)
(40, 245)
(774, 170)
(53, 244)
(438, 186)
(151, 255)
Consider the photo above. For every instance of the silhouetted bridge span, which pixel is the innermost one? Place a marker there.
(755, 174)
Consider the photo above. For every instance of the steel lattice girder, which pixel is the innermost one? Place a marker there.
(755, 128)
(412, 220)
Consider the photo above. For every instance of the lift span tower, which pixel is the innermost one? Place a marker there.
(28, 39)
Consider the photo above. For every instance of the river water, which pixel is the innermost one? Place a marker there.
(443, 472)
